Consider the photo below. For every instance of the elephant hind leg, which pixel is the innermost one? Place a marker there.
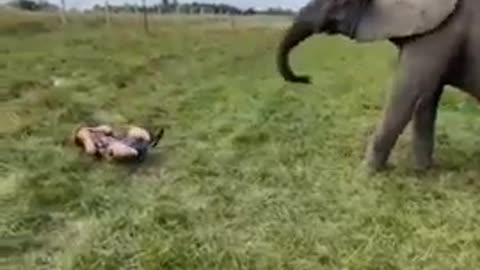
(420, 72)
(424, 129)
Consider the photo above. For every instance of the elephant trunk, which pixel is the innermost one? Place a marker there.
(297, 33)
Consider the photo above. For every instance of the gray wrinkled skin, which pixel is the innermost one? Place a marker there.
(447, 54)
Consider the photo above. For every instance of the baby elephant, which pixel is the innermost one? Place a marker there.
(438, 43)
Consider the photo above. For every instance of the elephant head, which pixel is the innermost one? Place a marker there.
(361, 20)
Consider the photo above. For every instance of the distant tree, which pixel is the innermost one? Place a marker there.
(249, 11)
(169, 6)
(277, 11)
(32, 5)
(24, 4)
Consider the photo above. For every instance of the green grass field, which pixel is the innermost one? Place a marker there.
(253, 173)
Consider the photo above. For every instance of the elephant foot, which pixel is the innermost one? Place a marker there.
(423, 164)
(368, 169)
(374, 167)
(423, 155)
(375, 161)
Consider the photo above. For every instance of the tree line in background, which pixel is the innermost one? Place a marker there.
(163, 7)
(31, 5)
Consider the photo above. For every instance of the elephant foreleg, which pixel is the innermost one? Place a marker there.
(418, 75)
(424, 129)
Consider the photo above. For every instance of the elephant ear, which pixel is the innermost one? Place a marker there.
(384, 19)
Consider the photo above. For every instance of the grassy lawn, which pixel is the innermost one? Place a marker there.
(253, 173)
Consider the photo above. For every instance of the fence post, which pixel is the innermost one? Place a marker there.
(107, 14)
(145, 16)
(63, 17)
(232, 20)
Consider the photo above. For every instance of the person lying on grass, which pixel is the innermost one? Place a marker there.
(104, 143)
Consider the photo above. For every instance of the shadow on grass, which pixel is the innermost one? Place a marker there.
(153, 160)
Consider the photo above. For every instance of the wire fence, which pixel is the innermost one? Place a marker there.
(148, 15)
